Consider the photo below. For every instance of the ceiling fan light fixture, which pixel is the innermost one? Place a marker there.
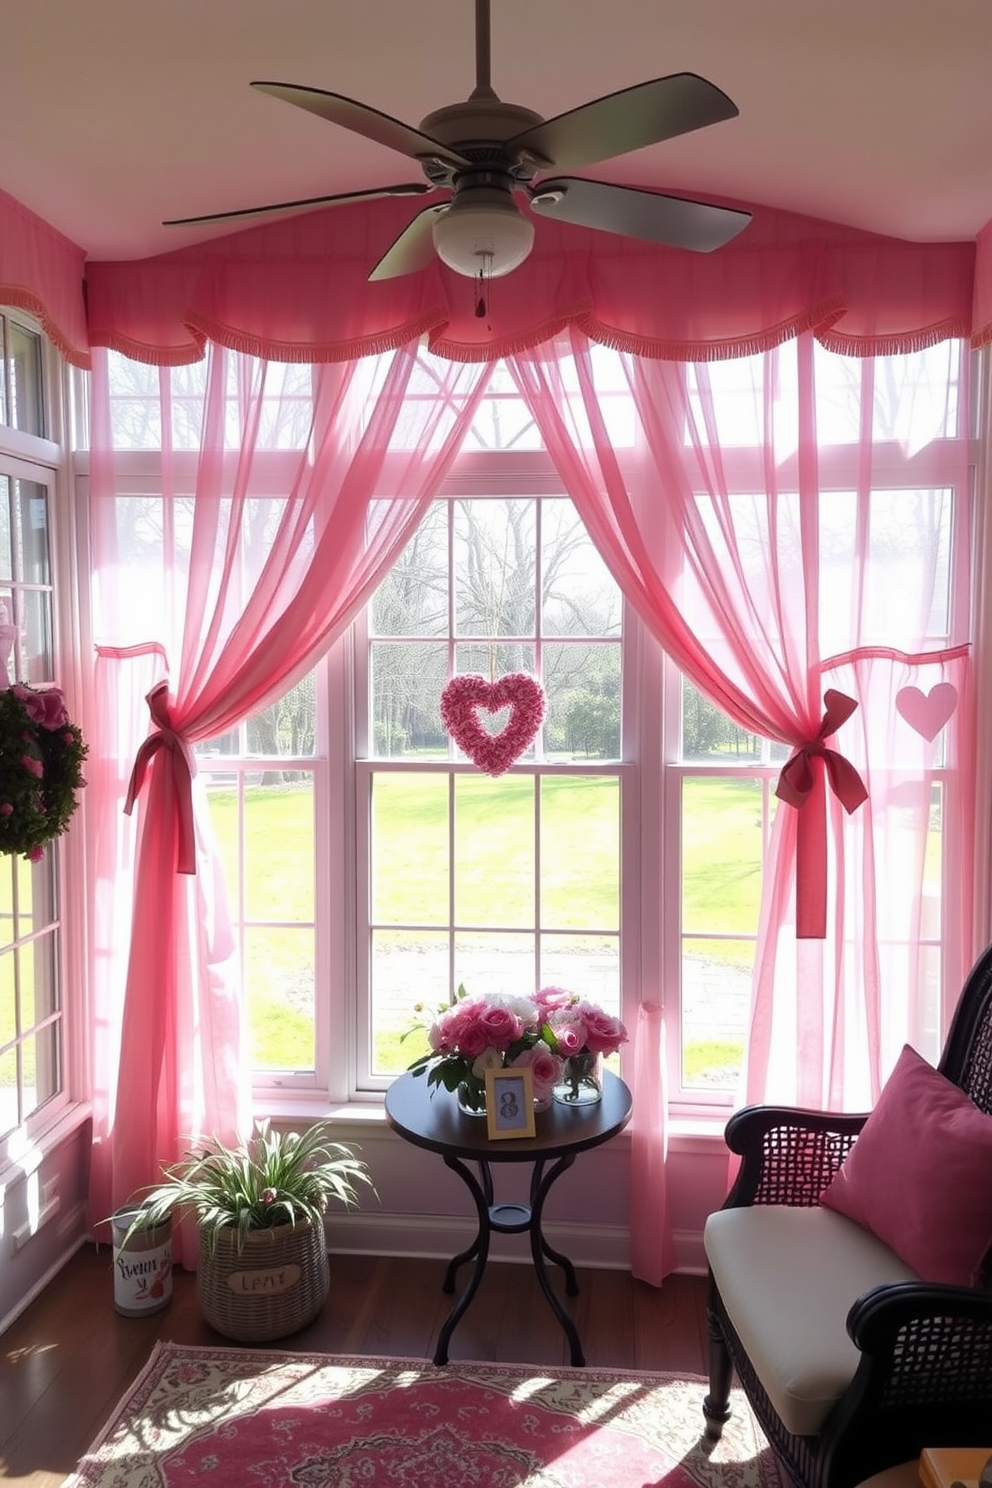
(483, 150)
(483, 230)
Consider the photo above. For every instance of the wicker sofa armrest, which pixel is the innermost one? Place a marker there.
(925, 1378)
(788, 1155)
(927, 1351)
(888, 1315)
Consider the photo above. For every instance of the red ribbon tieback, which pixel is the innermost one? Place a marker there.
(183, 768)
(801, 784)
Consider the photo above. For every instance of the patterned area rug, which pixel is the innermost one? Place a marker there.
(250, 1418)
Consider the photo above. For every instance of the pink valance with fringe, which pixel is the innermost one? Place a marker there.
(42, 272)
(981, 324)
(296, 290)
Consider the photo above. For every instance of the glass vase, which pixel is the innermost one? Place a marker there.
(471, 1097)
(581, 1081)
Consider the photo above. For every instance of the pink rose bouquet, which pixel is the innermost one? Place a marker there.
(546, 1032)
(41, 758)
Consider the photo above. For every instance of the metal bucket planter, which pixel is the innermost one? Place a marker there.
(142, 1264)
(276, 1283)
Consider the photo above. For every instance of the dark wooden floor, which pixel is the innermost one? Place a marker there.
(69, 1357)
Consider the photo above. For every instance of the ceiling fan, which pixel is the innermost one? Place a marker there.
(484, 153)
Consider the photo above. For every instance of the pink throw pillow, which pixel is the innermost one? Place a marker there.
(920, 1174)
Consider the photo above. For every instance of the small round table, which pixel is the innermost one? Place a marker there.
(436, 1123)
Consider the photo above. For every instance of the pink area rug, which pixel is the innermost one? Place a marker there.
(250, 1418)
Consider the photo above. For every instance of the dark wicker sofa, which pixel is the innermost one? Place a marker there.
(921, 1371)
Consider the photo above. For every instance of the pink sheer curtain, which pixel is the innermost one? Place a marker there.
(652, 1247)
(268, 553)
(118, 721)
(757, 545)
(829, 1017)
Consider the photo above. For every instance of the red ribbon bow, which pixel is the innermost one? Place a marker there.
(801, 784)
(183, 769)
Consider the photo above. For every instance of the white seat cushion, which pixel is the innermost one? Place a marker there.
(788, 1278)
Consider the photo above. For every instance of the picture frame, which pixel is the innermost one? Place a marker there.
(510, 1103)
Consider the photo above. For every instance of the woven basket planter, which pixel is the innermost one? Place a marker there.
(276, 1283)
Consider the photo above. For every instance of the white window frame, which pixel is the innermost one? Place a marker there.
(44, 460)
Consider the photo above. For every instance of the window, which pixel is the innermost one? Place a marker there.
(497, 883)
(721, 782)
(263, 779)
(21, 376)
(32, 1075)
(722, 792)
(371, 867)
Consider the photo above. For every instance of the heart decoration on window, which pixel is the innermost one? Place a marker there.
(927, 712)
(461, 701)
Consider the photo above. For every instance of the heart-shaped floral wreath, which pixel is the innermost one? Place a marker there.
(464, 696)
(41, 768)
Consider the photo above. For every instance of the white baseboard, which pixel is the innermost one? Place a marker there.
(606, 1247)
(690, 1256)
(442, 1236)
(74, 1221)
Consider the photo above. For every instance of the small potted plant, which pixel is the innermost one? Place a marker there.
(262, 1269)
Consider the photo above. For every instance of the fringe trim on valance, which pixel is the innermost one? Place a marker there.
(500, 346)
(389, 339)
(203, 329)
(817, 319)
(899, 344)
(24, 299)
(821, 319)
(155, 356)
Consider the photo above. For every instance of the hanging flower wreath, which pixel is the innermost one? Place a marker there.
(465, 695)
(41, 759)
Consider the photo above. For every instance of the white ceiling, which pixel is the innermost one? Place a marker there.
(117, 113)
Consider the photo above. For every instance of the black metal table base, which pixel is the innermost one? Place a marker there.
(510, 1219)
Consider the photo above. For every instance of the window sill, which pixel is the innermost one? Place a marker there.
(24, 1155)
(685, 1133)
(697, 1133)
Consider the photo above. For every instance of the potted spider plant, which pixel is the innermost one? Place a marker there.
(262, 1270)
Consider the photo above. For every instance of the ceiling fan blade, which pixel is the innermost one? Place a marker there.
(413, 250)
(672, 220)
(413, 188)
(625, 121)
(361, 119)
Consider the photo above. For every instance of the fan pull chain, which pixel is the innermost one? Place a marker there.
(484, 292)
